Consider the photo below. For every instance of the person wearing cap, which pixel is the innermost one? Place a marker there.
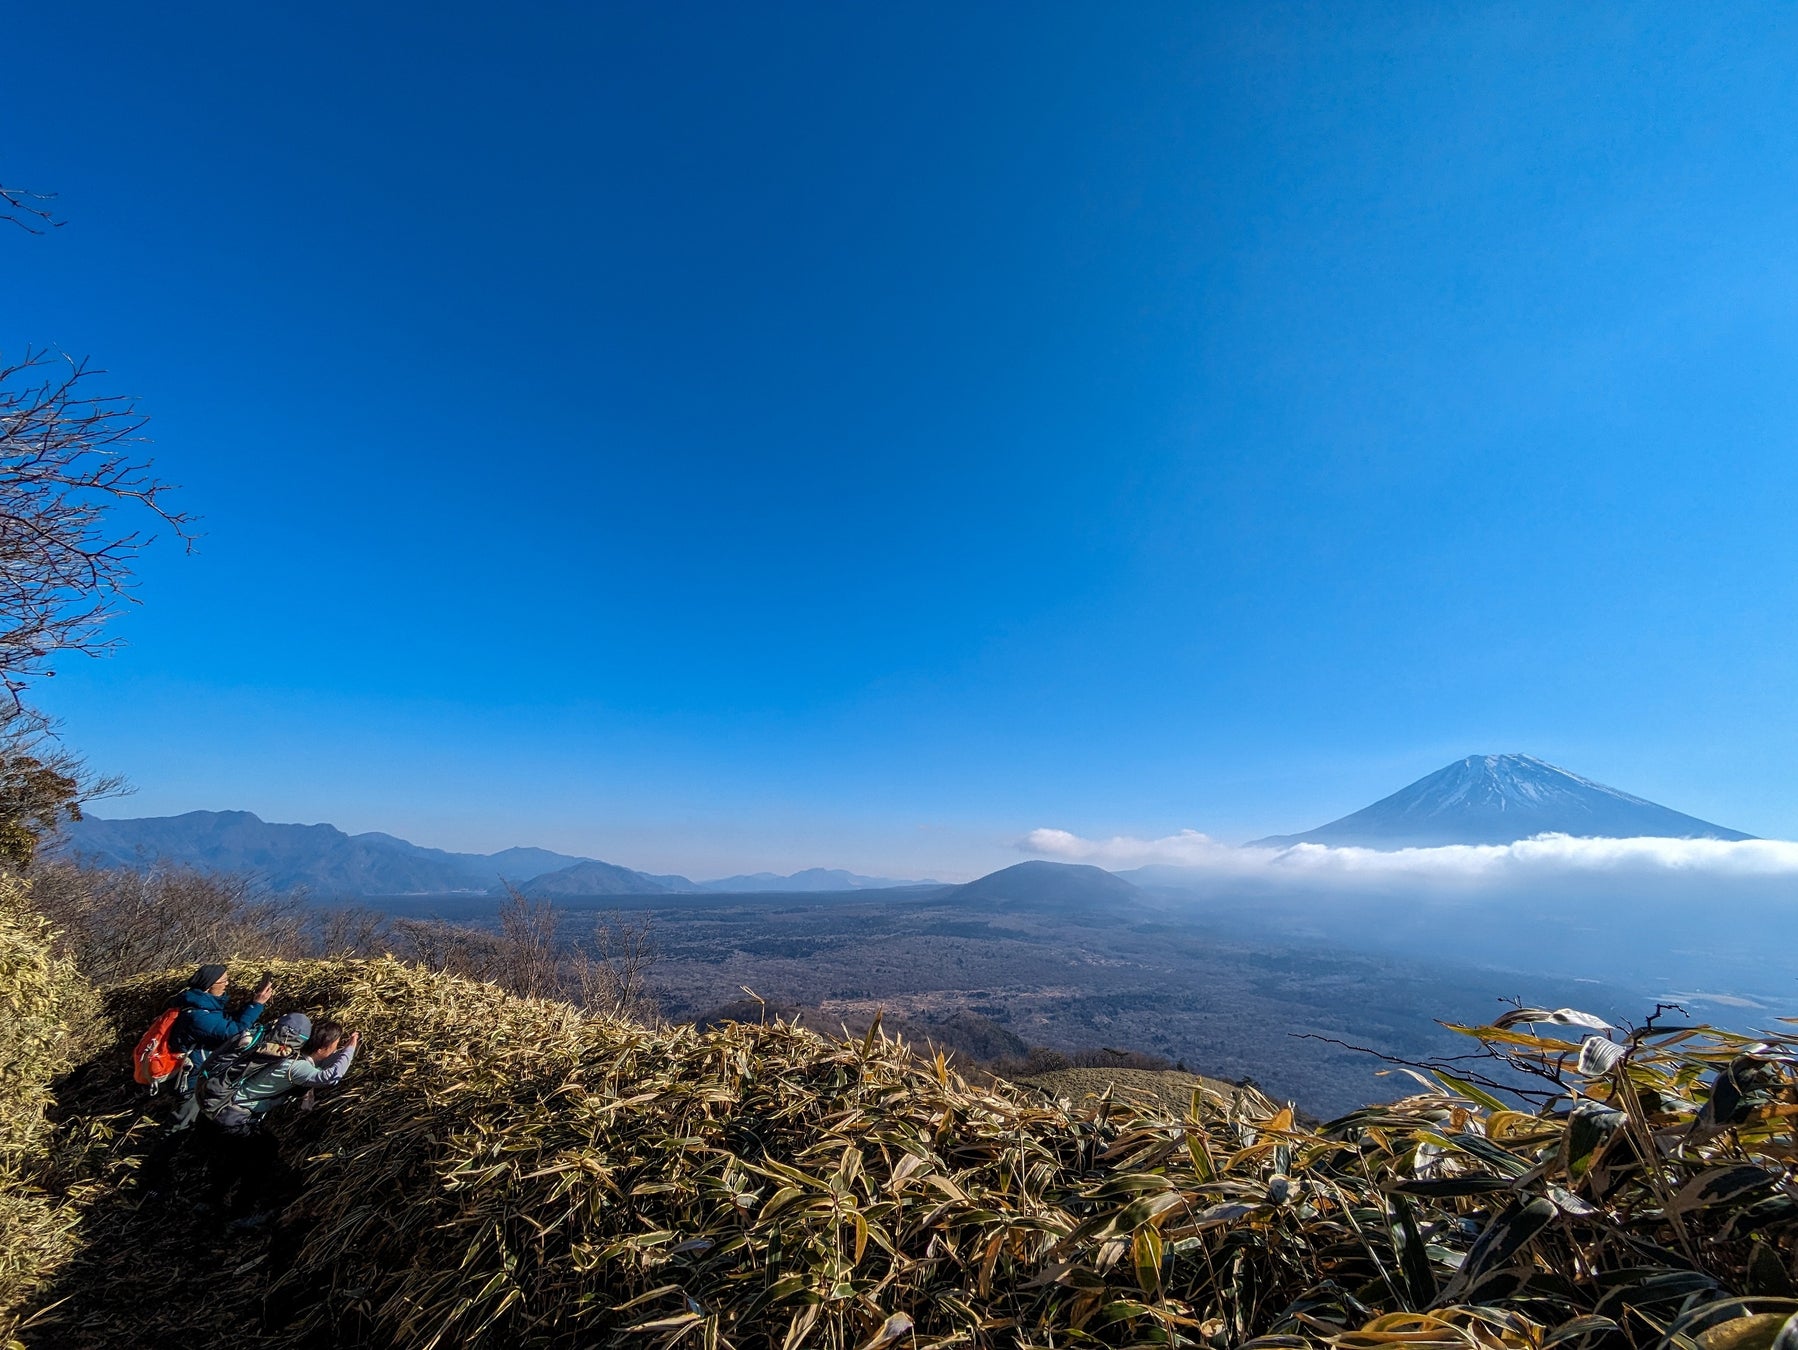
(245, 1161)
(296, 1058)
(204, 1025)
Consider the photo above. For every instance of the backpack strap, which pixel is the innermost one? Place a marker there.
(216, 1078)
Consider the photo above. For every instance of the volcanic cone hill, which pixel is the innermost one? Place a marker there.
(502, 1171)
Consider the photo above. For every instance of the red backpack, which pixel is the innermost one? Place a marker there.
(153, 1063)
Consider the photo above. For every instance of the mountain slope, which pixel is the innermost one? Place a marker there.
(321, 858)
(602, 878)
(1499, 799)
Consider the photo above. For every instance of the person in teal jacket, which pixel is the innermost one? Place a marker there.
(204, 1025)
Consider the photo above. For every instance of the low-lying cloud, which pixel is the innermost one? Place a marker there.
(1662, 919)
(1549, 855)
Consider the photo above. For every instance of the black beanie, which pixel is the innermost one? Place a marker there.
(205, 977)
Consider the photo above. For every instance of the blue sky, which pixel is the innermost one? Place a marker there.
(732, 437)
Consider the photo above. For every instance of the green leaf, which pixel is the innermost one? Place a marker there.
(1469, 1091)
(1145, 1250)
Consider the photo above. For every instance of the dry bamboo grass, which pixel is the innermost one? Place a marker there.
(504, 1172)
(42, 1001)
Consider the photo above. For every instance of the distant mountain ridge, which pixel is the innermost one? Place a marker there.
(1482, 799)
(1500, 799)
(331, 864)
(321, 858)
(592, 877)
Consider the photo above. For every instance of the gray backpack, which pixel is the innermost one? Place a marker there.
(228, 1070)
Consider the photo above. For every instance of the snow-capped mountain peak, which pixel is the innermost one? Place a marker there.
(1498, 799)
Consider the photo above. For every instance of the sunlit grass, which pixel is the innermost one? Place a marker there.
(505, 1171)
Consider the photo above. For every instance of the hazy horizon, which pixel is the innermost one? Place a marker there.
(1454, 867)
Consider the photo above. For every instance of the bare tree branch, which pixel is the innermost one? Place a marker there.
(25, 210)
(1461, 1066)
(611, 972)
(67, 461)
(530, 951)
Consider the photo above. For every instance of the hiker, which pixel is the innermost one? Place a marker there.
(203, 1025)
(184, 1032)
(174, 1051)
(294, 1059)
(243, 1085)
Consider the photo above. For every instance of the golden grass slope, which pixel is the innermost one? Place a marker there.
(1170, 1089)
(42, 1000)
(505, 1172)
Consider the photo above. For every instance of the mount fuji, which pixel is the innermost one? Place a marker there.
(1499, 799)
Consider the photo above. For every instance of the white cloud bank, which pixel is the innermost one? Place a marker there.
(1546, 856)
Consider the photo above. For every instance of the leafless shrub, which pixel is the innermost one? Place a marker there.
(519, 957)
(607, 972)
(1108, 1058)
(529, 953)
(446, 948)
(118, 923)
(1042, 1059)
(352, 930)
(610, 973)
(1037, 1061)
